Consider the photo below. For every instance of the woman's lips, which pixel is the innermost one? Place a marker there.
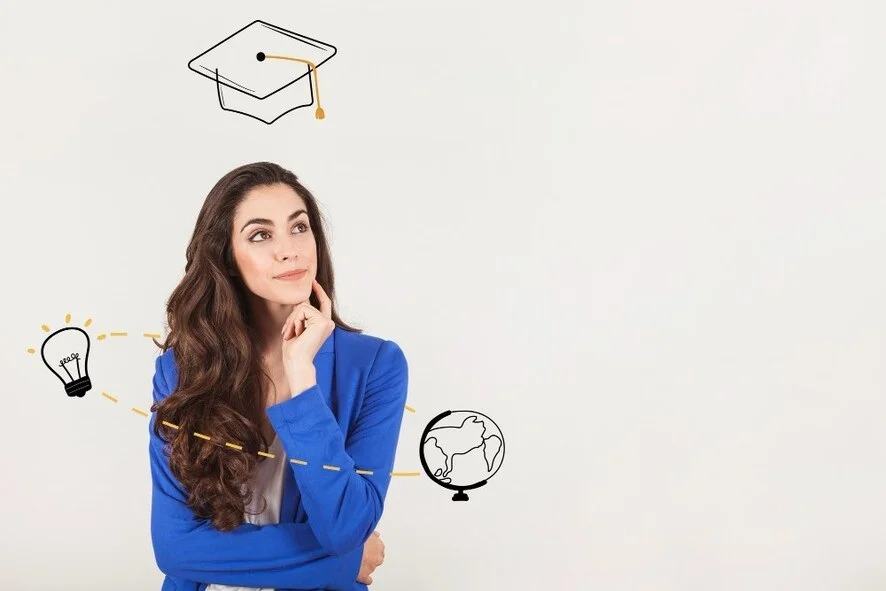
(292, 275)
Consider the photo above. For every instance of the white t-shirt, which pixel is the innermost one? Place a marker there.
(267, 483)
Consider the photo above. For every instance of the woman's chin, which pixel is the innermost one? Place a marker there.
(291, 299)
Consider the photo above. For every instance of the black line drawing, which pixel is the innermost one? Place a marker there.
(461, 450)
(66, 353)
(264, 71)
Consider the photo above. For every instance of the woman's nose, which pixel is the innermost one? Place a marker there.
(286, 251)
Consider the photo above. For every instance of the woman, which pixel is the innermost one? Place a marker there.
(281, 420)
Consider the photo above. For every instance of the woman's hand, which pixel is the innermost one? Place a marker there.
(373, 557)
(304, 332)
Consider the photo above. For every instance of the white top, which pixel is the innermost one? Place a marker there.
(267, 483)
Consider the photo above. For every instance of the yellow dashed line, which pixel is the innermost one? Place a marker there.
(261, 453)
(103, 336)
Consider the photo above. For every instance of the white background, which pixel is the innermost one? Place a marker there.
(645, 237)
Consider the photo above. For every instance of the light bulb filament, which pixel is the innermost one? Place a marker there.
(68, 359)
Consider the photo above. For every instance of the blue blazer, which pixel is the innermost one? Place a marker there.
(340, 438)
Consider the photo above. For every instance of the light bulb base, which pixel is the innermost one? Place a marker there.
(79, 387)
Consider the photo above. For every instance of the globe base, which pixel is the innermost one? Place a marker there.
(460, 496)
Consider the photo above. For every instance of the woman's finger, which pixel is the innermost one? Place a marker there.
(298, 320)
(287, 328)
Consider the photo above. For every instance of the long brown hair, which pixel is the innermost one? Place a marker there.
(221, 378)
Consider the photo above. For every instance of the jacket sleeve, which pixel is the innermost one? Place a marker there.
(344, 506)
(285, 555)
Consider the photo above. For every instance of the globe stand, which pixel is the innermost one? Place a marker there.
(460, 496)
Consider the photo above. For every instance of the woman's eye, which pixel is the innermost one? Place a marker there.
(261, 233)
(302, 225)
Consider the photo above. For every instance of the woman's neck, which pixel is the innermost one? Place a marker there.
(267, 319)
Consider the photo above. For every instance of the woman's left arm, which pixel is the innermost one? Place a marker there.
(344, 506)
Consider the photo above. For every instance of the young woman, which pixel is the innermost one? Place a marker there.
(274, 424)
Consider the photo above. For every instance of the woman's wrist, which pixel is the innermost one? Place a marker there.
(301, 378)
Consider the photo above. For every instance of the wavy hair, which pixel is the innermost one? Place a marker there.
(221, 378)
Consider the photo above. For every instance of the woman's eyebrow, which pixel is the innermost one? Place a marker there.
(268, 222)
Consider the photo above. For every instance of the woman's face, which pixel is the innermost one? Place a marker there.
(271, 239)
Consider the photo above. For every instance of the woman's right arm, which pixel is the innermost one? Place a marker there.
(285, 555)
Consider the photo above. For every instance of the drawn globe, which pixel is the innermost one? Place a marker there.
(461, 450)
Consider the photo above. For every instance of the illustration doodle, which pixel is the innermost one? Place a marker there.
(461, 450)
(255, 71)
(65, 352)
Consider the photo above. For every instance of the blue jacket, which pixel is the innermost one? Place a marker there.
(349, 421)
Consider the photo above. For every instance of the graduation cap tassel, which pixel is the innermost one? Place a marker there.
(319, 113)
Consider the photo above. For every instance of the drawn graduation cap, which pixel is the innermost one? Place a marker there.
(263, 71)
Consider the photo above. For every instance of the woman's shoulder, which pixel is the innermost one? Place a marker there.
(166, 359)
(165, 368)
(369, 347)
(360, 346)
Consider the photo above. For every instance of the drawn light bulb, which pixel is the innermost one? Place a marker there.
(66, 353)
